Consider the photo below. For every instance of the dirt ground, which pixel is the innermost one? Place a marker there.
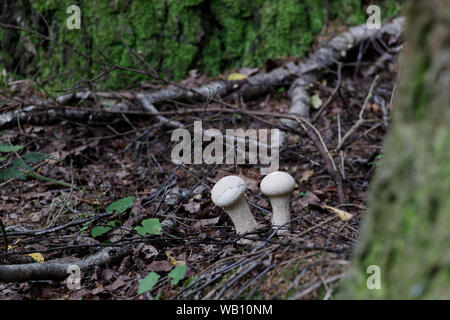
(130, 156)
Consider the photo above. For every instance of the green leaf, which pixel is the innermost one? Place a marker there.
(177, 274)
(11, 173)
(121, 205)
(149, 226)
(37, 157)
(188, 281)
(112, 223)
(20, 164)
(85, 226)
(148, 282)
(2, 158)
(99, 230)
(9, 148)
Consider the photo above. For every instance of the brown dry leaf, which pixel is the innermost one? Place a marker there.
(343, 215)
(119, 282)
(306, 175)
(252, 184)
(309, 199)
(98, 290)
(192, 207)
(312, 198)
(205, 222)
(149, 251)
(160, 265)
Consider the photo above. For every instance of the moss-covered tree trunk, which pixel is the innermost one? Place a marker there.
(406, 232)
(173, 36)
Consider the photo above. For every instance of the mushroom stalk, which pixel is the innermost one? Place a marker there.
(281, 213)
(242, 217)
(278, 186)
(228, 193)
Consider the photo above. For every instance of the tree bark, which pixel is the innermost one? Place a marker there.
(407, 228)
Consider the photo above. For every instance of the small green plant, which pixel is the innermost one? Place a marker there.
(117, 207)
(377, 159)
(20, 166)
(303, 194)
(176, 274)
(149, 226)
(148, 282)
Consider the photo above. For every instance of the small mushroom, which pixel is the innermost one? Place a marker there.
(278, 186)
(228, 193)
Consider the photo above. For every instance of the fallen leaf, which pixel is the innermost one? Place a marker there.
(306, 175)
(192, 207)
(37, 257)
(160, 265)
(343, 215)
(316, 102)
(252, 184)
(207, 222)
(237, 76)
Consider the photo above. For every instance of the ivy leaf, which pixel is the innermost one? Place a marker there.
(9, 148)
(149, 226)
(99, 230)
(148, 282)
(121, 205)
(177, 274)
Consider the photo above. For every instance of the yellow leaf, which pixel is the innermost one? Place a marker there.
(316, 102)
(10, 247)
(343, 215)
(37, 257)
(237, 76)
(172, 260)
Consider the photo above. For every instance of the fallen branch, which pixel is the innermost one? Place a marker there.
(58, 271)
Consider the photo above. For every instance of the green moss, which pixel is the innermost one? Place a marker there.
(174, 36)
(349, 11)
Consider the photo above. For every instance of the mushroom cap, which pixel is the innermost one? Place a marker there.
(227, 191)
(277, 183)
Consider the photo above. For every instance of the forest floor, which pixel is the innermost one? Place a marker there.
(130, 156)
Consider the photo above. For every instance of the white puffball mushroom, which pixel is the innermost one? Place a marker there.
(278, 186)
(228, 193)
